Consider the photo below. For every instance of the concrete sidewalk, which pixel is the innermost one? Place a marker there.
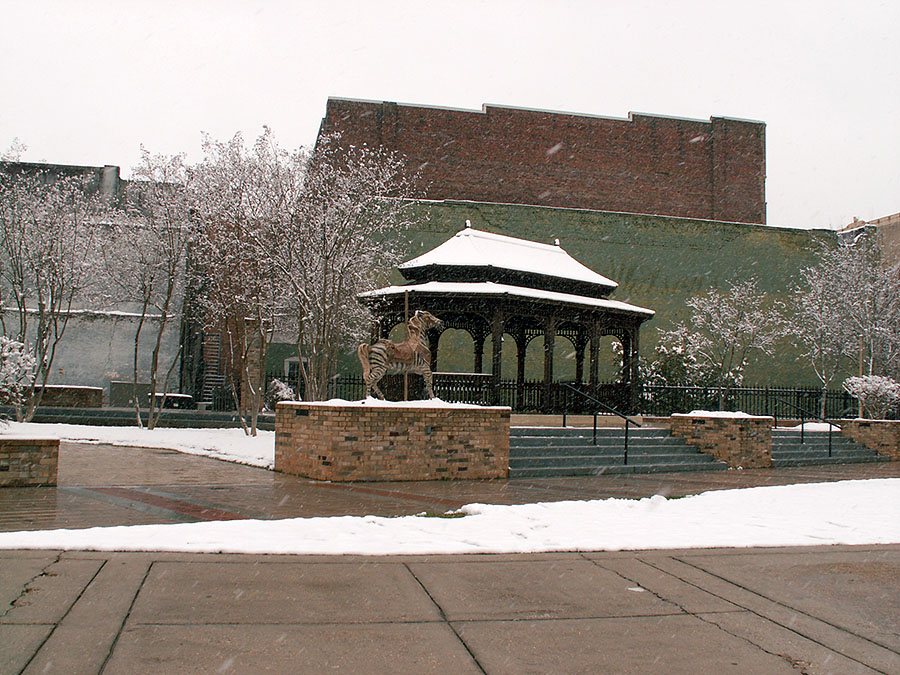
(809, 610)
(798, 610)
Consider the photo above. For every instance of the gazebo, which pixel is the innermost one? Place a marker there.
(494, 285)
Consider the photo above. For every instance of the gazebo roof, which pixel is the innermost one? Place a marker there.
(478, 256)
(494, 290)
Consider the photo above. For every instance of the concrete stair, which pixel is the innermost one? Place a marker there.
(549, 452)
(787, 449)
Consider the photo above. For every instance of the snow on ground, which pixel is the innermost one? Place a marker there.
(228, 444)
(847, 512)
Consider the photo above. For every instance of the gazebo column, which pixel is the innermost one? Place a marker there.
(549, 342)
(497, 355)
(478, 340)
(632, 374)
(434, 339)
(580, 344)
(521, 349)
(595, 357)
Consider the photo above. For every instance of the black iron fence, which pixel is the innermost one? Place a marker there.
(533, 396)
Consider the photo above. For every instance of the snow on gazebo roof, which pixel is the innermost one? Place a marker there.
(488, 288)
(475, 248)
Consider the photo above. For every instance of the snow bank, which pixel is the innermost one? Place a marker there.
(228, 444)
(848, 512)
(719, 413)
(372, 402)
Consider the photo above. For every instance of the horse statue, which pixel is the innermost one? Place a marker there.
(411, 356)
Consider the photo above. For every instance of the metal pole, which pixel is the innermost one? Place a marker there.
(627, 422)
(406, 321)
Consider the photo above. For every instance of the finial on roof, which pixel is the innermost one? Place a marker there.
(468, 223)
(556, 242)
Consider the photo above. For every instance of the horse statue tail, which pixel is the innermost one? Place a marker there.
(362, 352)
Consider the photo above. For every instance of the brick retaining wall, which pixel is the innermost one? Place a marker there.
(740, 441)
(66, 396)
(387, 443)
(883, 436)
(28, 461)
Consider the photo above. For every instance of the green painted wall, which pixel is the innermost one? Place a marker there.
(658, 262)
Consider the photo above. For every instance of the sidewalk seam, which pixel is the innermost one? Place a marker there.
(444, 619)
(115, 641)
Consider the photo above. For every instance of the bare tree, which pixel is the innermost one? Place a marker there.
(240, 197)
(817, 322)
(147, 261)
(869, 296)
(343, 239)
(50, 229)
(724, 329)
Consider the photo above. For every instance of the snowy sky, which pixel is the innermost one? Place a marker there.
(87, 82)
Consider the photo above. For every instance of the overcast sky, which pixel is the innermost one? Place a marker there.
(88, 82)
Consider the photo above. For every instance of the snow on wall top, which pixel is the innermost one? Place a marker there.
(475, 248)
(491, 288)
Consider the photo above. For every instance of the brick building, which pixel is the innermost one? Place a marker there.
(647, 164)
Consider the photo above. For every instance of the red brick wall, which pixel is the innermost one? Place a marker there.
(883, 436)
(644, 164)
(390, 443)
(740, 441)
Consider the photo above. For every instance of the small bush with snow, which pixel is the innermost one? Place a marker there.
(16, 371)
(278, 391)
(878, 395)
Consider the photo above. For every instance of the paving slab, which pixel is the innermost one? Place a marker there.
(82, 640)
(845, 642)
(251, 592)
(859, 591)
(685, 596)
(534, 589)
(808, 656)
(365, 648)
(661, 644)
(18, 644)
(50, 593)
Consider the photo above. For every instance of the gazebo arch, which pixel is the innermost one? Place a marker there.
(492, 285)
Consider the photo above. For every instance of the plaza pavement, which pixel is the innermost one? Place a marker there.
(829, 609)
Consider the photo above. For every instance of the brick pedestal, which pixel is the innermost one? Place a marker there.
(883, 436)
(740, 441)
(376, 442)
(28, 461)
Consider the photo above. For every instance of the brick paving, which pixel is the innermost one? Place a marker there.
(106, 485)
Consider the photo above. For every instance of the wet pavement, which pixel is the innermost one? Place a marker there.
(789, 610)
(108, 485)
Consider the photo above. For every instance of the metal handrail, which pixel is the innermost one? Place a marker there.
(605, 408)
(803, 413)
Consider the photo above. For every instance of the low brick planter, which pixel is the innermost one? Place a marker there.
(383, 442)
(26, 462)
(67, 396)
(883, 436)
(741, 441)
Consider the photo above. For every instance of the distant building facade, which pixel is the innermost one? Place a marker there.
(712, 170)
(888, 231)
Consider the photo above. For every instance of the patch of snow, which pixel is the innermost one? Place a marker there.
(815, 426)
(491, 288)
(232, 445)
(857, 512)
(475, 248)
(720, 413)
(372, 402)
